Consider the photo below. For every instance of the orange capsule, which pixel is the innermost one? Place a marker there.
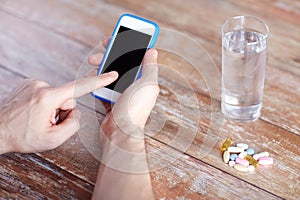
(224, 146)
(251, 160)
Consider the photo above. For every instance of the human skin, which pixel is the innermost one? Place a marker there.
(37, 117)
(28, 116)
(124, 172)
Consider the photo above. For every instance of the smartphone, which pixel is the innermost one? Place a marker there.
(130, 40)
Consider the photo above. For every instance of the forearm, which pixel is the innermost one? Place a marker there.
(124, 172)
(115, 185)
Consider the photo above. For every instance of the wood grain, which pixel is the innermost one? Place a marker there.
(177, 175)
(53, 47)
(188, 178)
(27, 176)
(204, 19)
(261, 135)
(27, 53)
(286, 80)
(283, 62)
(183, 173)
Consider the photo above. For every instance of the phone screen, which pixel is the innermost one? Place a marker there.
(125, 57)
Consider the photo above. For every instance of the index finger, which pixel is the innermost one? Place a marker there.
(83, 86)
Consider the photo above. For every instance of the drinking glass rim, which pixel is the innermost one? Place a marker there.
(265, 36)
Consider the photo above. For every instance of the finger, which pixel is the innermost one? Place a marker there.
(95, 59)
(54, 117)
(92, 72)
(66, 128)
(83, 86)
(105, 41)
(150, 68)
(69, 104)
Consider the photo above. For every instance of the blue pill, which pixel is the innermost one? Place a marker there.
(233, 156)
(250, 151)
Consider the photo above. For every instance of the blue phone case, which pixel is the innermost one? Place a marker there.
(151, 45)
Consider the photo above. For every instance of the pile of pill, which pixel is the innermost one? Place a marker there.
(242, 157)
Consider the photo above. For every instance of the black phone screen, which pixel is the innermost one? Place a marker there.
(125, 57)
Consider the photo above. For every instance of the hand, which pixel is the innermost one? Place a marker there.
(122, 130)
(36, 117)
(133, 108)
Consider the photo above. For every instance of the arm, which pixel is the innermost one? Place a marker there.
(122, 180)
(124, 172)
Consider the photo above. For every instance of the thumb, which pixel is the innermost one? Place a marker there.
(150, 68)
(66, 128)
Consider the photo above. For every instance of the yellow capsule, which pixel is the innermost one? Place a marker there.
(227, 143)
(240, 167)
(226, 157)
(251, 160)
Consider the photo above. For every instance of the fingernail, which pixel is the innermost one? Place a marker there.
(154, 53)
(113, 74)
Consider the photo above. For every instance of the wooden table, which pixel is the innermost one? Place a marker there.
(49, 39)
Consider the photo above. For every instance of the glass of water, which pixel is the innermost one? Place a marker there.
(244, 44)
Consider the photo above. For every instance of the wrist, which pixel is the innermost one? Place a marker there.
(125, 155)
(123, 134)
(123, 146)
(126, 139)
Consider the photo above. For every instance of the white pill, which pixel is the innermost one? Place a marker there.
(251, 168)
(226, 157)
(235, 150)
(231, 163)
(261, 154)
(242, 154)
(241, 168)
(242, 145)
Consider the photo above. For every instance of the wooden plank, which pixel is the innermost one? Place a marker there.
(236, 131)
(194, 16)
(180, 175)
(32, 56)
(282, 111)
(204, 19)
(8, 81)
(37, 53)
(187, 178)
(199, 179)
(105, 24)
(28, 176)
(70, 155)
(87, 21)
(260, 135)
